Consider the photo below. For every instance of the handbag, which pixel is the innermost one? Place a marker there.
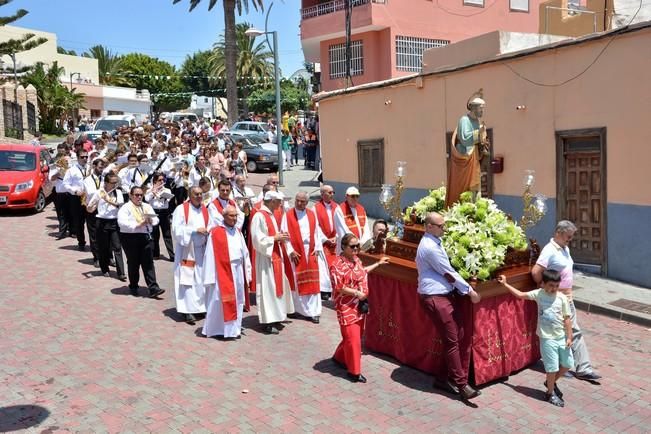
(362, 306)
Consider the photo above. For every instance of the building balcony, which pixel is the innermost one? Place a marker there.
(324, 8)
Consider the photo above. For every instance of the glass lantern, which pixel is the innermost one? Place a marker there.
(529, 178)
(401, 169)
(387, 193)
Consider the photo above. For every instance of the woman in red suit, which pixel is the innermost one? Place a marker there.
(350, 287)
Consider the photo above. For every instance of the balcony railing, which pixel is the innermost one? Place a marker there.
(333, 6)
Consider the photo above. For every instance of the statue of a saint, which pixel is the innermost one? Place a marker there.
(469, 145)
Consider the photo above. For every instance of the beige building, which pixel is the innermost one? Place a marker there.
(570, 110)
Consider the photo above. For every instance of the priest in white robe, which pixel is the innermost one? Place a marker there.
(227, 268)
(273, 292)
(217, 206)
(305, 249)
(190, 227)
(350, 217)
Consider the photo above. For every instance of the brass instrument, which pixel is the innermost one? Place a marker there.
(62, 163)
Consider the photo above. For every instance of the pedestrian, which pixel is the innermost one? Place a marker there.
(136, 220)
(73, 182)
(190, 226)
(440, 289)
(556, 256)
(287, 143)
(554, 330)
(227, 270)
(350, 286)
(92, 184)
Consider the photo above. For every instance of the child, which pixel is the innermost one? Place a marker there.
(554, 330)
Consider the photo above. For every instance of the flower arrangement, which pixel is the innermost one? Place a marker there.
(434, 201)
(478, 235)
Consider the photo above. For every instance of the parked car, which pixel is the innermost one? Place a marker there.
(178, 117)
(111, 124)
(248, 127)
(258, 158)
(262, 141)
(24, 176)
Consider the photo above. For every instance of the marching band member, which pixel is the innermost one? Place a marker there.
(136, 220)
(158, 196)
(108, 199)
(91, 185)
(73, 183)
(57, 172)
(198, 171)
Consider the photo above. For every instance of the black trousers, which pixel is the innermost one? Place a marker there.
(139, 251)
(108, 245)
(180, 194)
(165, 227)
(77, 218)
(63, 212)
(91, 226)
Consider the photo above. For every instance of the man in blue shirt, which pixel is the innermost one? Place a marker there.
(440, 288)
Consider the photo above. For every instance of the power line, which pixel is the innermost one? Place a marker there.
(603, 50)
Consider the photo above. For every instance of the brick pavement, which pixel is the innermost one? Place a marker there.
(79, 355)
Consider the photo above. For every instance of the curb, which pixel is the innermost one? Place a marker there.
(612, 313)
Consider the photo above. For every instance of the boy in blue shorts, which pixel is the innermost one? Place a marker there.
(554, 330)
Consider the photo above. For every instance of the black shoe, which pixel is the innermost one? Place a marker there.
(315, 319)
(271, 330)
(96, 263)
(554, 400)
(133, 292)
(106, 274)
(155, 292)
(325, 296)
(190, 319)
(122, 277)
(468, 392)
(60, 236)
(338, 363)
(589, 376)
(81, 247)
(359, 378)
(557, 391)
(156, 257)
(294, 316)
(446, 385)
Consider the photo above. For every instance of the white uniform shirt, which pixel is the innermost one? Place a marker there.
(92, 183)
(73, 181)
(158, 202)
(106, 210)
(196, 174)
(57, 178)
(127, 219)
(130, 176)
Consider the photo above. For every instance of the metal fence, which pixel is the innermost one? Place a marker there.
(31, 118)
(333, 6)
(409, 51)
(13, 115)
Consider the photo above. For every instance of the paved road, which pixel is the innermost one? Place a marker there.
(77, 354)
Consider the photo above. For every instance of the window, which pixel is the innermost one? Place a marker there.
(337, 59)
(205, 100)
(370, 161)
(409, 51)
(519, 5)
(479, 3)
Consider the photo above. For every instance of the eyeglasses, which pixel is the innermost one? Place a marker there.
(138, 195)
(83, 156)
(441, 226)
(354, 246)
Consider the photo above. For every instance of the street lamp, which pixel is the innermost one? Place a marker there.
(254, 33)
(78, 74)
(74, 118)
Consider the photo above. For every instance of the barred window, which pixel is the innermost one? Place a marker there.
(337, 59)
(479, 3)
(409, 51)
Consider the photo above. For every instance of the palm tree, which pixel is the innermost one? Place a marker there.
(253, 61)
(230, 45)
(108, 63)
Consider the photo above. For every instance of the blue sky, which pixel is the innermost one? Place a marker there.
(154, 27)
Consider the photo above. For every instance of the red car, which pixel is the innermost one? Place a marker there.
(24, 180)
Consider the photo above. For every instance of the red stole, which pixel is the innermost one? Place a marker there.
(249, 244)
(278, 215)
(276, 257)
(219, 206)
(349, 218)
(186, 209)
(224, 273)
(328, 229)
(307, 272)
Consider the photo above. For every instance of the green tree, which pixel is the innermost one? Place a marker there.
(195, 66)
(55, 100)
(109, 65)
(253, 61)
(230, 48)
(157, 76)
(62, 50)
(292, 97)
(26, 42)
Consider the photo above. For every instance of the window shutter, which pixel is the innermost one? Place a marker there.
(370, 154)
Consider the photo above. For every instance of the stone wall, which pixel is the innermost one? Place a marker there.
(21, 96)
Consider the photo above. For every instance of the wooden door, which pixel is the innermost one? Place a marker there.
(582, 192)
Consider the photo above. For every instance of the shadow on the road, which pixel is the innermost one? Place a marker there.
(50, 217)
(327, 366)
(172, 314)
(91, 274)
(53, 226)
(538, 394)
(70, 247)
(420, 381)
(251, 322)
(122, 290)
(17, 417)
(86, 261)
(16, 213)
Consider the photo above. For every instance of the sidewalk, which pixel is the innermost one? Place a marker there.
(592, 293)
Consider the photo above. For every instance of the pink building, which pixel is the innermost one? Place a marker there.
(389, 36)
